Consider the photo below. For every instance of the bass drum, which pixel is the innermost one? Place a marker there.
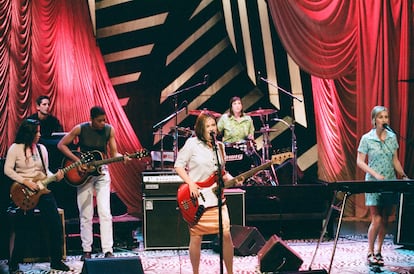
(237, 161)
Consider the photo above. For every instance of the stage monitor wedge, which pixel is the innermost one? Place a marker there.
(115, 265)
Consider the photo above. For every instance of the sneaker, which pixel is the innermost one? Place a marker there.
(371, 259)
(86, 255)
(109, 254)
(59, 266)
(380, 259)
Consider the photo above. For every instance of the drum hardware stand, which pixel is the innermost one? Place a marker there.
(159, 126)
(292, 127)
(175, 115)
(176, 110)
(265, 151)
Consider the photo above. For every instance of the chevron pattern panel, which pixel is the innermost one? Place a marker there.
(166, 57)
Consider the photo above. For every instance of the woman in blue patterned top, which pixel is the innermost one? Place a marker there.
(380, 145)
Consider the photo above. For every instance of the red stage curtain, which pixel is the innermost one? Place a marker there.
(356, 51)
(48, 47)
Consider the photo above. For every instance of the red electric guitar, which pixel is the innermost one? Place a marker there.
(192, 208)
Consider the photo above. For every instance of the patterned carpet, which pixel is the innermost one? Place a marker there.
(350, 257)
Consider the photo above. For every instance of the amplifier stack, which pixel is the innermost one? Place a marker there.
(164, 228)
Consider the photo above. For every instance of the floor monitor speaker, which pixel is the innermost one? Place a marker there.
(247, 240)
(276, 256)
(115, 265)
(318, 271)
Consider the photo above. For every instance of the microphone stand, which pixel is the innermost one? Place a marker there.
(220, 186)
(159, 126)
(175, 99)
(292, 128)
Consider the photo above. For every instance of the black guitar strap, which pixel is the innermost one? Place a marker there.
(41, 158)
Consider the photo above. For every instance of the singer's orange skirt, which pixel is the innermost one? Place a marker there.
(209, 222)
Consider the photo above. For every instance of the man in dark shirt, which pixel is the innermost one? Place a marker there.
(94, 135)
(48, 122)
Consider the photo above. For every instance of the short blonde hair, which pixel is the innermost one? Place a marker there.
(375, 111)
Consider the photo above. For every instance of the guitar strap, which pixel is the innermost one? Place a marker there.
(41, 158)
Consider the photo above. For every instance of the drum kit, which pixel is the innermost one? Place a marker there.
(240, 156)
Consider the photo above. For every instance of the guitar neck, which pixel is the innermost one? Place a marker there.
(246, 174)
(276, 159)
(53, 178)
(107, 161)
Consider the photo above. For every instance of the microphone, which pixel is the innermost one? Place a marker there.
(213, 137)
(387, 127)
(205, 82)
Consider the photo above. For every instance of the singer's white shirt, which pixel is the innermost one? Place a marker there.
(199, 159)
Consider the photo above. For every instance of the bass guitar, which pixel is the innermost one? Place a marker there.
(77, 178)
(27, 199)
(191, 208)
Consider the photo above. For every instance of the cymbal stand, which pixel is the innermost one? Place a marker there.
(162, 149)
(176, 109)
(266, 143)
(159, 125)
(292, 127)
(266, 147)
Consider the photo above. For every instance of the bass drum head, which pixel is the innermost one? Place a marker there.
(237, 161)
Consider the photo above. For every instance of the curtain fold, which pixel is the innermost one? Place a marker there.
(355, 52)
(48, 48)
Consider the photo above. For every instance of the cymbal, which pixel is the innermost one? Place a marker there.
(198, 111)
(261, 112)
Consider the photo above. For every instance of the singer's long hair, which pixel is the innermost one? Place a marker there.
(199, 127)
(26, 133)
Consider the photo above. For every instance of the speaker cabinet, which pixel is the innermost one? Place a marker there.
(164, 228)
(276, 256)
(115, 265)
(247, 240)
(405, 221)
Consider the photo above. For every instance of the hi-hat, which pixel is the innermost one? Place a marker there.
(198, 111)
(261, 112)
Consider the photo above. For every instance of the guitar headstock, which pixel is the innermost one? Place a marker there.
(139, 154)
(281, 157)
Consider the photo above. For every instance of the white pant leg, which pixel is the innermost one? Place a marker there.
(103, 194)
(85, 206)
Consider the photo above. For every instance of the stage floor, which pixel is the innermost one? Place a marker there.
(350, 257)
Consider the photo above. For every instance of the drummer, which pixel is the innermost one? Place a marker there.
(235, 126)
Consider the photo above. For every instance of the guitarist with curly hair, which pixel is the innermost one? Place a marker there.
(94, 135)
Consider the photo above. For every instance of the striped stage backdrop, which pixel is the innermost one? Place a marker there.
(167, 57)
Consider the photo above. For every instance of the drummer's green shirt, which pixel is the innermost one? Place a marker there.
(233, 130)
